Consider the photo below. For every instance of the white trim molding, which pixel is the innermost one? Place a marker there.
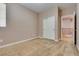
(77, 47)
(14, 43)
(50, 39)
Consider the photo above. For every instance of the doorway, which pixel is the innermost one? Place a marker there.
(68, 28)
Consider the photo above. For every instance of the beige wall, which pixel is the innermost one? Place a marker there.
(77, 25)
(51, 12)
(69, 10)
(21, 24)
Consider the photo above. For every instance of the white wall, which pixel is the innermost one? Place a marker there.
(21, 24)
(51, 12)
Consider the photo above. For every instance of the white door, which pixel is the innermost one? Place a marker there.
(49, 27)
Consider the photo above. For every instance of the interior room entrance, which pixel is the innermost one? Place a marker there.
(68, 28)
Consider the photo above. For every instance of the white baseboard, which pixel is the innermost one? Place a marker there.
(51, 39)
(77, 47)
(14, 43)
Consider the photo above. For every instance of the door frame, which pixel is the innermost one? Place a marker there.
(75, 31)
(73, 17)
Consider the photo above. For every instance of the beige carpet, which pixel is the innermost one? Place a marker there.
(40, 47)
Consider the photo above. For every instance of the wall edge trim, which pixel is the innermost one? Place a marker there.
(14, 43)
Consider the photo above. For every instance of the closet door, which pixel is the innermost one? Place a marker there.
(49, 27)
(67, 28)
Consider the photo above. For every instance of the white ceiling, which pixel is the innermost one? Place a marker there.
(39, 7)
